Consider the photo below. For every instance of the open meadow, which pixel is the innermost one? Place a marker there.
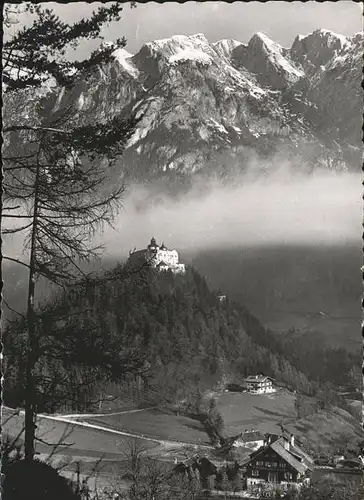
(79, 441)
(318, 431)
(156, 423)
(242, 411)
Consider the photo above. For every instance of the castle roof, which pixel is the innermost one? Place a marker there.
(152, 243)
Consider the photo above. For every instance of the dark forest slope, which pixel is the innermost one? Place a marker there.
(175, 325)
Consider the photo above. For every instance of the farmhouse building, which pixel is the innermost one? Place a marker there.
(259, 384)
(187, 467)
(279, 462)
(249, 439)
(158, 257)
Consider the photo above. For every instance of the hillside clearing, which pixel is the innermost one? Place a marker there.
(242, 411)
(80, 441)
(156, 424)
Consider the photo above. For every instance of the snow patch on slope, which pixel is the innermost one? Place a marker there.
(190, 55)
(122, 56)
(219, 126)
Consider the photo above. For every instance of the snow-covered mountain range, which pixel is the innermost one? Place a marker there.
(210, 108)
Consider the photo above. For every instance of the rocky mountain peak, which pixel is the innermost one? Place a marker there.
(179, 47)
(159, 56)
(225, 48)
(208, 107)
(317, 49)
(269, 62)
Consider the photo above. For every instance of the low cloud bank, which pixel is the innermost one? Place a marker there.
(283, 208)
(280, 208)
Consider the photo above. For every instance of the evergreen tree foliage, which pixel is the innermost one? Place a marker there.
(37, 52)
(54, 186)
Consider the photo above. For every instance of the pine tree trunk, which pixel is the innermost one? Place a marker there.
(30, 389)
(30, 392)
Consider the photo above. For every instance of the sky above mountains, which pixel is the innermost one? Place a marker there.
(281, 21)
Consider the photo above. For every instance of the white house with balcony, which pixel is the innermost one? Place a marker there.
(259, 384)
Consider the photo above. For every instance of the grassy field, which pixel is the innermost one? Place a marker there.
(328, 430)
(242, 411)
(156, 424)
(319, 431)
(84, 442)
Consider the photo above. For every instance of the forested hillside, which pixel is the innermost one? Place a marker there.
(311, 288)
(169, 331)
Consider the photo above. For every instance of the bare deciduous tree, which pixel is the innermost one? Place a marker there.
(55, 186)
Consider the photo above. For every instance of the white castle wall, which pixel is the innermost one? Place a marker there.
(168, 259)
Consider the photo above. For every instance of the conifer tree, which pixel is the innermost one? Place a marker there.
(55, 186)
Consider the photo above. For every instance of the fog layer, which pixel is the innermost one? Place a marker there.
(324, 208)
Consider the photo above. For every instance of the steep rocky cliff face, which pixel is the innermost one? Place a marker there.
(317, 49)
(210, 108)
(336, 90)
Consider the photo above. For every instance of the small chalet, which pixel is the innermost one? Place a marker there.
(204, 466)
(279, 462)
(259, 384)
(250, 439)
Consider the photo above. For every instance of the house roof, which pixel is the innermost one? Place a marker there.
(228, 441)
(250, 436)
(297, 450)
(278, 447)
(203, 464)
(350, 462)
(257, 378)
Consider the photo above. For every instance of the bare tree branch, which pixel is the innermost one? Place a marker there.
(17, 261)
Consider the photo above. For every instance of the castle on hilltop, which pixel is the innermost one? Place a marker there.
(158, 257)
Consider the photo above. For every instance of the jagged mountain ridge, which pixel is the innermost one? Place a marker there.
(210, 107)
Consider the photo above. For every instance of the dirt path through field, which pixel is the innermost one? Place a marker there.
(91, 415)
(86, 425)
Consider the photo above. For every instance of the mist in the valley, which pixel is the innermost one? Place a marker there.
(281, 209)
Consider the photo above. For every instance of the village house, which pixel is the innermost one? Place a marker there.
(249, 439)
(259, 384)
(279, 462)
(186, 467)
(158, 257)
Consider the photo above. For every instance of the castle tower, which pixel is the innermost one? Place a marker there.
(153, 245)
